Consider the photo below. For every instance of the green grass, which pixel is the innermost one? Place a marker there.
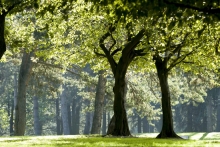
(143, 140)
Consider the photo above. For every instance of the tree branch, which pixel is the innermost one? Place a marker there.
(176, 62)
(99, 54)
(115, 51)
(106, 51)
(205, 9)
(134, 42)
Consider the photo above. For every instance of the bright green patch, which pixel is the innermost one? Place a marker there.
(91, 141)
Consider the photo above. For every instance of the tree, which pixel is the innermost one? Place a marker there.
(20, 106)
(99, 103)
(7, 7)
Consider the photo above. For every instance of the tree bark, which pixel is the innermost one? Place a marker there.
(139, 124)
(37, 123)
(11, 119)
(167, 126)
(99, 103)
(58, 120)
(64, 113)
(145, 125)
(104, 123)
(87, 119)
(20, 109)
(2, 35)
(189, 118)
(76, 107)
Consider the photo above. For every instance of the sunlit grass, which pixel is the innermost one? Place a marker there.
(211, 140)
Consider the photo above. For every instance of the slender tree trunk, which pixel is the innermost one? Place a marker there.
(99, 103)
(2, 35)
(209, 111)
(104, 118)
(13, 107)
(37, 123)
(11, 119)
(69, 116)
(76, 107)
(218, 118)
(104, 123)
(145, 125)
(167, 126)
(73, 117)
(64, 113)
(24, 74)
(139, 124)
(58, 118)
(189, 118)
(87, 123)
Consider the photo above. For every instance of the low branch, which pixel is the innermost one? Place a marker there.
(176, 62)
(99, 54)
(205, 9)
(139, 52)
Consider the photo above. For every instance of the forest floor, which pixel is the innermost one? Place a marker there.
(142, 140)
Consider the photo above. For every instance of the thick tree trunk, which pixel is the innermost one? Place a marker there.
(37, 123)
(2, 34)
(58, 120)
(167, 126)
(20, 109)
(119, 124)
(99, 103)
(64, 113)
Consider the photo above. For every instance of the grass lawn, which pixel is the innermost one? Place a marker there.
(143, 140)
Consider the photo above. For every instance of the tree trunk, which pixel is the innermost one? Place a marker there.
(189, 118)
(11, 119)
(218, 118)
(119, 124)
(37, 123)
(104, 119)
(87, 123)
(64, 113)
(69, 116)
(145, 125)
(99, 103)
(209, 111)
(139, 124)
(76, 106)
(104, 123)
(2, 35)
(58, 120)
(20, 109)
(167, 126)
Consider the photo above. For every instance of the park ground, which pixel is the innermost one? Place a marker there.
(139, 140)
